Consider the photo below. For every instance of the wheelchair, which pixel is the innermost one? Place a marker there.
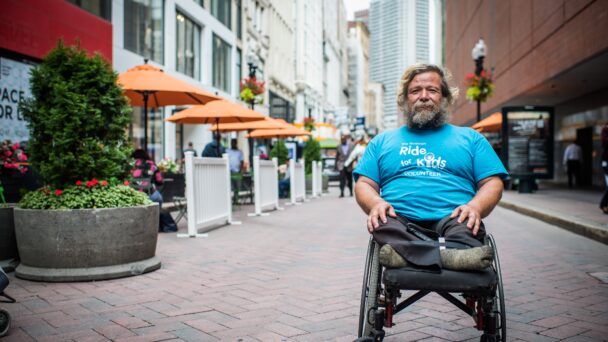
(481, 292)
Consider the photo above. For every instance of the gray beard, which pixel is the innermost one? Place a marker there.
(427, 118)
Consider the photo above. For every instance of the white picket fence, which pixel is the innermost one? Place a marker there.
(317, 178)
(207, 193)
(297, 179)
(265, 185)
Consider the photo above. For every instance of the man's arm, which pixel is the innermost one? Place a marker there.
(488, 194)
(368, 196)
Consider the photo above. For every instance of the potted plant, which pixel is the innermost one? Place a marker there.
(12, 159)
(85, 223)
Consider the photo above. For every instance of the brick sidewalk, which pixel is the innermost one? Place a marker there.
(296, 276)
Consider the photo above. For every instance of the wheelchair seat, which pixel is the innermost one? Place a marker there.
(413, 278)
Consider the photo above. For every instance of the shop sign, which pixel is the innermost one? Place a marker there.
(528, 141)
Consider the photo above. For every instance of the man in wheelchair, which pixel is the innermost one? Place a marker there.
(426, 185)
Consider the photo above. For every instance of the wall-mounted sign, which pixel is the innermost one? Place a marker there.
(528, 141)
(14, 86)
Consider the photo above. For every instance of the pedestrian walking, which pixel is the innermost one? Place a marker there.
(346, 172)
(572, 162)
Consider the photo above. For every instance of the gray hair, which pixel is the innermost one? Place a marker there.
(448, 94)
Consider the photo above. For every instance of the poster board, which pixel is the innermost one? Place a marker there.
(528, 141)
(14, 86)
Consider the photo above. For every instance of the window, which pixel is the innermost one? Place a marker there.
(239, 68)
(221, 64)
(239, 27)
(221, 10)
(101, 8)
(188, 36)
(200, 2)
(280, 108)
(143, 22)
(155, 131)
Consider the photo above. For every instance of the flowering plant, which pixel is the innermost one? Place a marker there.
(252, 90)
(479, 88)
(12, 158)
(168, 165)
(84, 194)
(309, 124)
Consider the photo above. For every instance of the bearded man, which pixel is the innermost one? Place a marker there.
(426, 186)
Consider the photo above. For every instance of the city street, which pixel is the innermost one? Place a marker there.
(296, 276)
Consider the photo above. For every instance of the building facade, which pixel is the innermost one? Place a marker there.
(552, 53)
(401, 33)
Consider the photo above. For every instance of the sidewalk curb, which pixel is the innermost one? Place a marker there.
(587, 230)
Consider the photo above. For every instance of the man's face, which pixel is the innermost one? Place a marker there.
(425, 108)
(344, 139)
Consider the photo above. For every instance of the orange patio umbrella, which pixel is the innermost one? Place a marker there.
(148, 86)
(492, 123)
(215, 112)
(267, 123)
(278, 133)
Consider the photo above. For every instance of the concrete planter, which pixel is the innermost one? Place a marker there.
(86, 244)
(8, 243)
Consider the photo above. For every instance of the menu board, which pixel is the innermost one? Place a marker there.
(528, 147)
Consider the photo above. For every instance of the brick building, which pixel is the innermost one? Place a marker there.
(542, 53)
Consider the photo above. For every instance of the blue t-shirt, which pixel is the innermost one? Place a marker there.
(426, 174)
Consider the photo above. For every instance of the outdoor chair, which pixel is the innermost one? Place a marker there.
(482, 292)
(174, 190)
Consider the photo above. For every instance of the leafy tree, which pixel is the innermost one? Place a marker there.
(312, 152)
(77, 118)
(279, 151)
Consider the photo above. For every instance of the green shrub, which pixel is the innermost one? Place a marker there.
(312, 152)
(279, 151)
(85, 196)
(77, 118)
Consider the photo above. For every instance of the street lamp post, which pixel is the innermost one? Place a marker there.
(252, 63)
(478, 53)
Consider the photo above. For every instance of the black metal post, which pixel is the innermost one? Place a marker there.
(478, 70)
(252, 104)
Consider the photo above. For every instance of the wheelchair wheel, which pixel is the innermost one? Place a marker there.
(370, 290)
(499, 307)
(5, 322)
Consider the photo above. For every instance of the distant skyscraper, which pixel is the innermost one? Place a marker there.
(402, 32)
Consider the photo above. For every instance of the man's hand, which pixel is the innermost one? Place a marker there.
(377, 215)
(468, 212)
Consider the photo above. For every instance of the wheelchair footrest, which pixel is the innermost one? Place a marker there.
(411, 278)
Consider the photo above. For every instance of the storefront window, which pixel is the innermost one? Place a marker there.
(101, 8)
(281, 108)
(220, 9)
(155, 131)
(143, 27)
(221, 64)
(188, 44)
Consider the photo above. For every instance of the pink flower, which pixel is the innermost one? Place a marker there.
(104, 183)
(22, 157)
(58, 192)
(23, 170)
(78, 183)
(126, 183)
(137, 173)
(137, 162)
(16, 146)
(8, 153)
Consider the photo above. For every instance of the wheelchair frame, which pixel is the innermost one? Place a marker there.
(5, 317)
(379, 303)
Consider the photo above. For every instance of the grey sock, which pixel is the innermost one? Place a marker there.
(472, 259)
(388, 257)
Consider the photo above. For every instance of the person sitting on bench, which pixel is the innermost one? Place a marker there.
(426, 185)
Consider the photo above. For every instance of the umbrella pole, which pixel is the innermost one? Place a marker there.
(217, 136)
(145, 121)
(250, 153)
